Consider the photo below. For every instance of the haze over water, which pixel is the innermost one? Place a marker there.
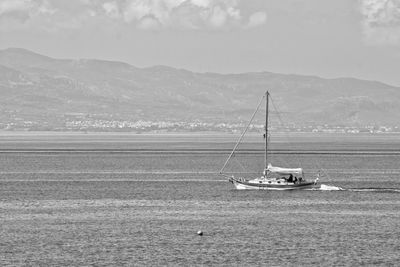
(106, 200)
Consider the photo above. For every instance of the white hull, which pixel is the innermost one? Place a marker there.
(247, 185)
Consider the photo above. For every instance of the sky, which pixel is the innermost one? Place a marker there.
(326, 38)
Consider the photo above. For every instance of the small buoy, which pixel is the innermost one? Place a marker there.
(199, 232)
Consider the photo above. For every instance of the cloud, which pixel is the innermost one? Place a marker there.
(27, 7)
(16, 9)
(45, 15)
(25, 15)
(191, 14)
(143, 14)
(9, 6)
(257, 19)
(111, 9)
(381, 21)
(149, 23)
(218, 17)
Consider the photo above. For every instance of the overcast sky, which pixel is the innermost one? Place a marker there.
(328, 38)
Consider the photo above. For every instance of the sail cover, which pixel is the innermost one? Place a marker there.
(283, 171)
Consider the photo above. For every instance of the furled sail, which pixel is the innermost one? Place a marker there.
(284, 171)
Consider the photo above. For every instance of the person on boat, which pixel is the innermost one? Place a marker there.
(290, 179)
(295, 180)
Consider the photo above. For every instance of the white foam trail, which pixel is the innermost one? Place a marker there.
(381, 190)
(325, 187)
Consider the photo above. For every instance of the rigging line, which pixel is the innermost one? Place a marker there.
(276, 109)
(244, 132)
(241, 165)
(286, 133)
(281, 123)
(322, 169)
(298, 161)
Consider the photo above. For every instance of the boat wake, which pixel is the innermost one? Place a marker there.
(325, 187)
(378, 190)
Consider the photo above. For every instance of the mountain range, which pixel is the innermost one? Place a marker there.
(48, 91)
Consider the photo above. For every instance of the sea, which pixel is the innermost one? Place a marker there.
(104, 199)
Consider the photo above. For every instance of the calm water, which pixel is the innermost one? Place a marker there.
(123, 200)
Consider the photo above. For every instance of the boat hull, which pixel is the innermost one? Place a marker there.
(244, 185)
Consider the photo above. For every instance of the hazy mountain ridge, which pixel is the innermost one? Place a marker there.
(37, 87)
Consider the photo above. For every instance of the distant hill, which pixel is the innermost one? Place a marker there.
(41, 89)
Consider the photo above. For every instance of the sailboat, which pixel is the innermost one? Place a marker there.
(272, 177)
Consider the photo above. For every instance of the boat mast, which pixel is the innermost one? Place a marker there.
(266, 128)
